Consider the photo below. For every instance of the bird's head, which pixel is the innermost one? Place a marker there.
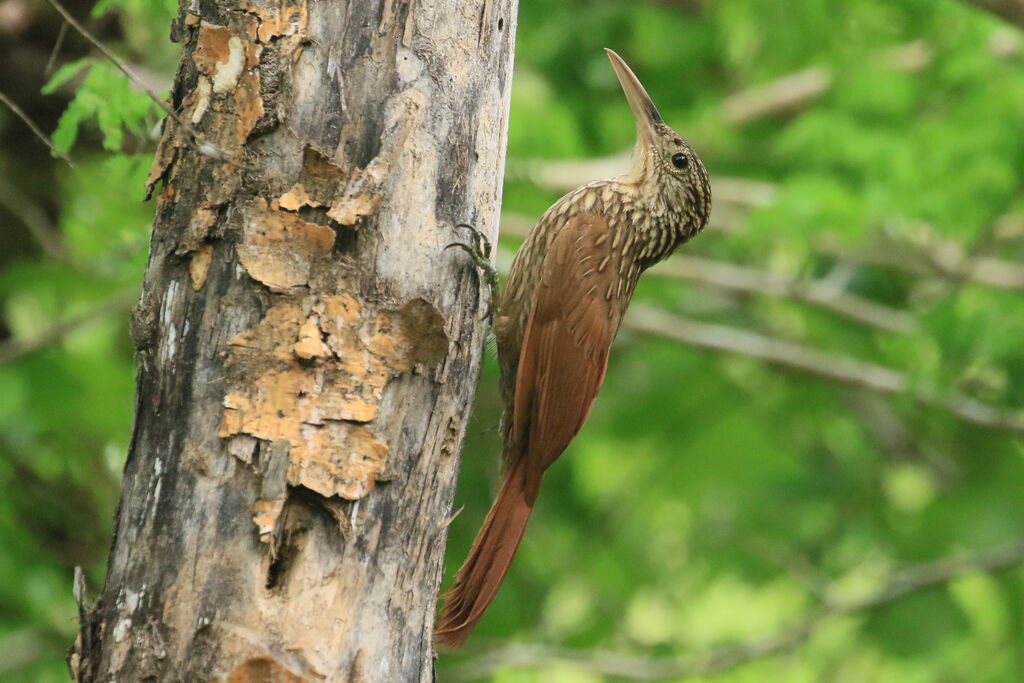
(668, 172)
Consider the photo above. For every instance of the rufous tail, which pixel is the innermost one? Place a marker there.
(477, 581)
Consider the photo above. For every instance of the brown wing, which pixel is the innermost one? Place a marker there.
(564, 355)
(562, 362)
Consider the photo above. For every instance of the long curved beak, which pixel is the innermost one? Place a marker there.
(646, 114)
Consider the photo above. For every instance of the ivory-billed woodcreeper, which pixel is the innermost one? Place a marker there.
(567, 290)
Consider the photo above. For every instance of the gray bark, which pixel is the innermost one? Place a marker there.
(308, 349)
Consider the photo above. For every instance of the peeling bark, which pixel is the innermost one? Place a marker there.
(308, 350)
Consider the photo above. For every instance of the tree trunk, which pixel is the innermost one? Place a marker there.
(308, 349)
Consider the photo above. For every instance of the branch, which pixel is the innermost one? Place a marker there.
(937, 260)
(51, 63)
(22, 647)
(34, 128)
(1007, 10)
(34, 218)
(830, 366)
(757, 281)
(772, 350)
(785, 94)
(794, 91)
(13, 349)
(632, 667)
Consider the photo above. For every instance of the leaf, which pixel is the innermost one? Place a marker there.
(66, 73)
(106, 97)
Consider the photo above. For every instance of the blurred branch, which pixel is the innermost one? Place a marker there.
(769, 349)
(786, 94)
(34, 128)
(33, 217)
(795, 565)
(22, 647)
(119, 302)
(939, 260)
(1008, 10)
(794, 91)
(756, 281)
(51, 63)
(795, 356)
(717, 660)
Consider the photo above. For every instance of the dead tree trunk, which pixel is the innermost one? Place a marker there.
(308, 350)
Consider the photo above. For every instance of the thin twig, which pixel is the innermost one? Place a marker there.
(13, 349)
(34, 218)
(196, 140)
(724, 658)
(757, 281)
(57, 45)
(769, 349)
(785, 94)
(796, 90)
(831, 366)
(22, 647)
(920, 259)
(35, 129)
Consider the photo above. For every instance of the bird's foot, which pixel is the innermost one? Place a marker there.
(480, 251)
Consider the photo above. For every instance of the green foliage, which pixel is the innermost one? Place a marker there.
(106, 96)
(711, 500)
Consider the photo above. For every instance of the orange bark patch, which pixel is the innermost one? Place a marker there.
(271, 338)
(229, 85)
(263, 670)
(224, 50)
(311, 344)
(296, 198)
(347, 211)
(362, 194)
(265, 514)
(278, 248)
(319, 181)
(166, 196)
(344, 461)
(211, 47)
(282, 18)
(320, 368)
(200, 265)
(248, 105)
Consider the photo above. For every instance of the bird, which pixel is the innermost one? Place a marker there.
(562, 305)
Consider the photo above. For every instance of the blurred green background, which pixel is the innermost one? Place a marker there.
(807, 460)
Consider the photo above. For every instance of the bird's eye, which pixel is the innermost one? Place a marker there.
(680, 160)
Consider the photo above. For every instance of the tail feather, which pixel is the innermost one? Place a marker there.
(479, 578)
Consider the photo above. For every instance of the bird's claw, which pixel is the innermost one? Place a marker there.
(480, 252)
